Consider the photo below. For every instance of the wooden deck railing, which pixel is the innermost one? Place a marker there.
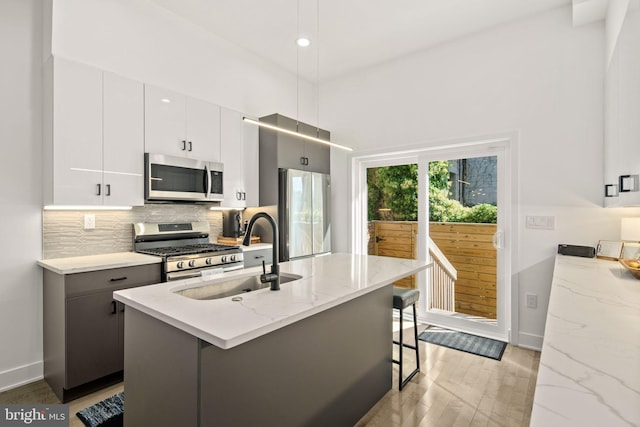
(442, 279)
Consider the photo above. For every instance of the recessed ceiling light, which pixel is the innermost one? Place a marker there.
(303, 42)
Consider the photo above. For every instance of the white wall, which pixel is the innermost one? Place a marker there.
(538, 77)
(142, 41)
(20, 191)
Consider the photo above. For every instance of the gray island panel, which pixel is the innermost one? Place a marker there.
(328, 369)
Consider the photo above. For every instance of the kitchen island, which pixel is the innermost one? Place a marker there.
(589, 372)
(316, 352)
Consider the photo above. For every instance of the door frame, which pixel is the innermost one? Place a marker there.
(507, 175)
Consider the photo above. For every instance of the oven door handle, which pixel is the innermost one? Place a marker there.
(207, 180)
(233, 267)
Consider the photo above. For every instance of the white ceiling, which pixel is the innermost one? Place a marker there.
(353, 33)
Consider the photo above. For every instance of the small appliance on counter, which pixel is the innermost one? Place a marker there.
(232, 223)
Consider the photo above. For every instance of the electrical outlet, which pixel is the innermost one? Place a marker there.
(540, 222)
(532, 301)
(89, 221)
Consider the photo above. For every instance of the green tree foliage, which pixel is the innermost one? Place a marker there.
(393, 188)
(393, 195)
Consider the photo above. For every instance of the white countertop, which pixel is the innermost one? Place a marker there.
(81, 264)
(327, 281)
(256, 247)
(589, 372)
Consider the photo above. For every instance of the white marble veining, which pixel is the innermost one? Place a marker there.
(327, 281)
(81, 264)
(589, 372)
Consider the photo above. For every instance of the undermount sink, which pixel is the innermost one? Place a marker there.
(230, 287)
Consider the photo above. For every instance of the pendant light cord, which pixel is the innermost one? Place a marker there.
(297, 65)
(317, 68)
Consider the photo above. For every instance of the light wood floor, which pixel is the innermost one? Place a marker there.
(453, 389)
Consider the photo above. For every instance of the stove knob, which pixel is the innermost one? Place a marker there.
(208, 261)
(223, 259)
(192, 263)
(180, 264)
(233, 257)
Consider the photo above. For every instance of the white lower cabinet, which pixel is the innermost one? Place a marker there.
(93, 137)
(239, 153)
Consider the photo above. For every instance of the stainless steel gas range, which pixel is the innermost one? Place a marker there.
(185, 249)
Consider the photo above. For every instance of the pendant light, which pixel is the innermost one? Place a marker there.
(302, 42)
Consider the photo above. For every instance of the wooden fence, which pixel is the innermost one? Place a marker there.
(468, 247)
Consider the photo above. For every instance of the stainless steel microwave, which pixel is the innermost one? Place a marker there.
(169, 178)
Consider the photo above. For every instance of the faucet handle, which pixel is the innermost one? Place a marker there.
(264, 268)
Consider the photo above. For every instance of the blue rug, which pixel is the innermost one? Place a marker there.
(468, 343)
(107, 413)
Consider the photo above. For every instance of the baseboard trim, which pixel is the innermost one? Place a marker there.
(530, 341)
(21, 375)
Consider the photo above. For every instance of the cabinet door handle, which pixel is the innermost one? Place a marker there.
(238, 195)
(190, 146)
(302, 160)
(244, 196)
(113, 307)
(98, 189)
(118, 279)
(107, 190)
(184, 145)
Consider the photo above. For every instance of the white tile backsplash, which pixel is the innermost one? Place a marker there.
(64, 234)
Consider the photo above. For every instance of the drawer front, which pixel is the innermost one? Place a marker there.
(255, 258)
(112, 279)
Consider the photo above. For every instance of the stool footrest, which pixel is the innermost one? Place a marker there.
(412, 347)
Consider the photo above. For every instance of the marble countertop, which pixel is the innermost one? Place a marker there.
(589, 372)
(256, 247)
(81, 264)
(327, 281)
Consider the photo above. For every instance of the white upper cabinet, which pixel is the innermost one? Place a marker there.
(239, 141)
(622, 114)
(178, 125)
(93, 137)
(123, 141)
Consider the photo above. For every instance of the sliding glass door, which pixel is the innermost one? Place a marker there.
(450, 206)
(463, 222)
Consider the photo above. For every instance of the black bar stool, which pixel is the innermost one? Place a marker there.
(403, 298)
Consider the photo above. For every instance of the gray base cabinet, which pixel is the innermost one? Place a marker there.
(325, 370)
(84, 326)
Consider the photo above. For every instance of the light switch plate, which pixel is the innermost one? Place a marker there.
(89, 221)
(532, 301)
(540, 222)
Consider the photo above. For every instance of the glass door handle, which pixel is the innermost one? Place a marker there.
(497, 240)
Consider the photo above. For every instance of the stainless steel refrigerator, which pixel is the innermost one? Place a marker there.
(304, 213)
